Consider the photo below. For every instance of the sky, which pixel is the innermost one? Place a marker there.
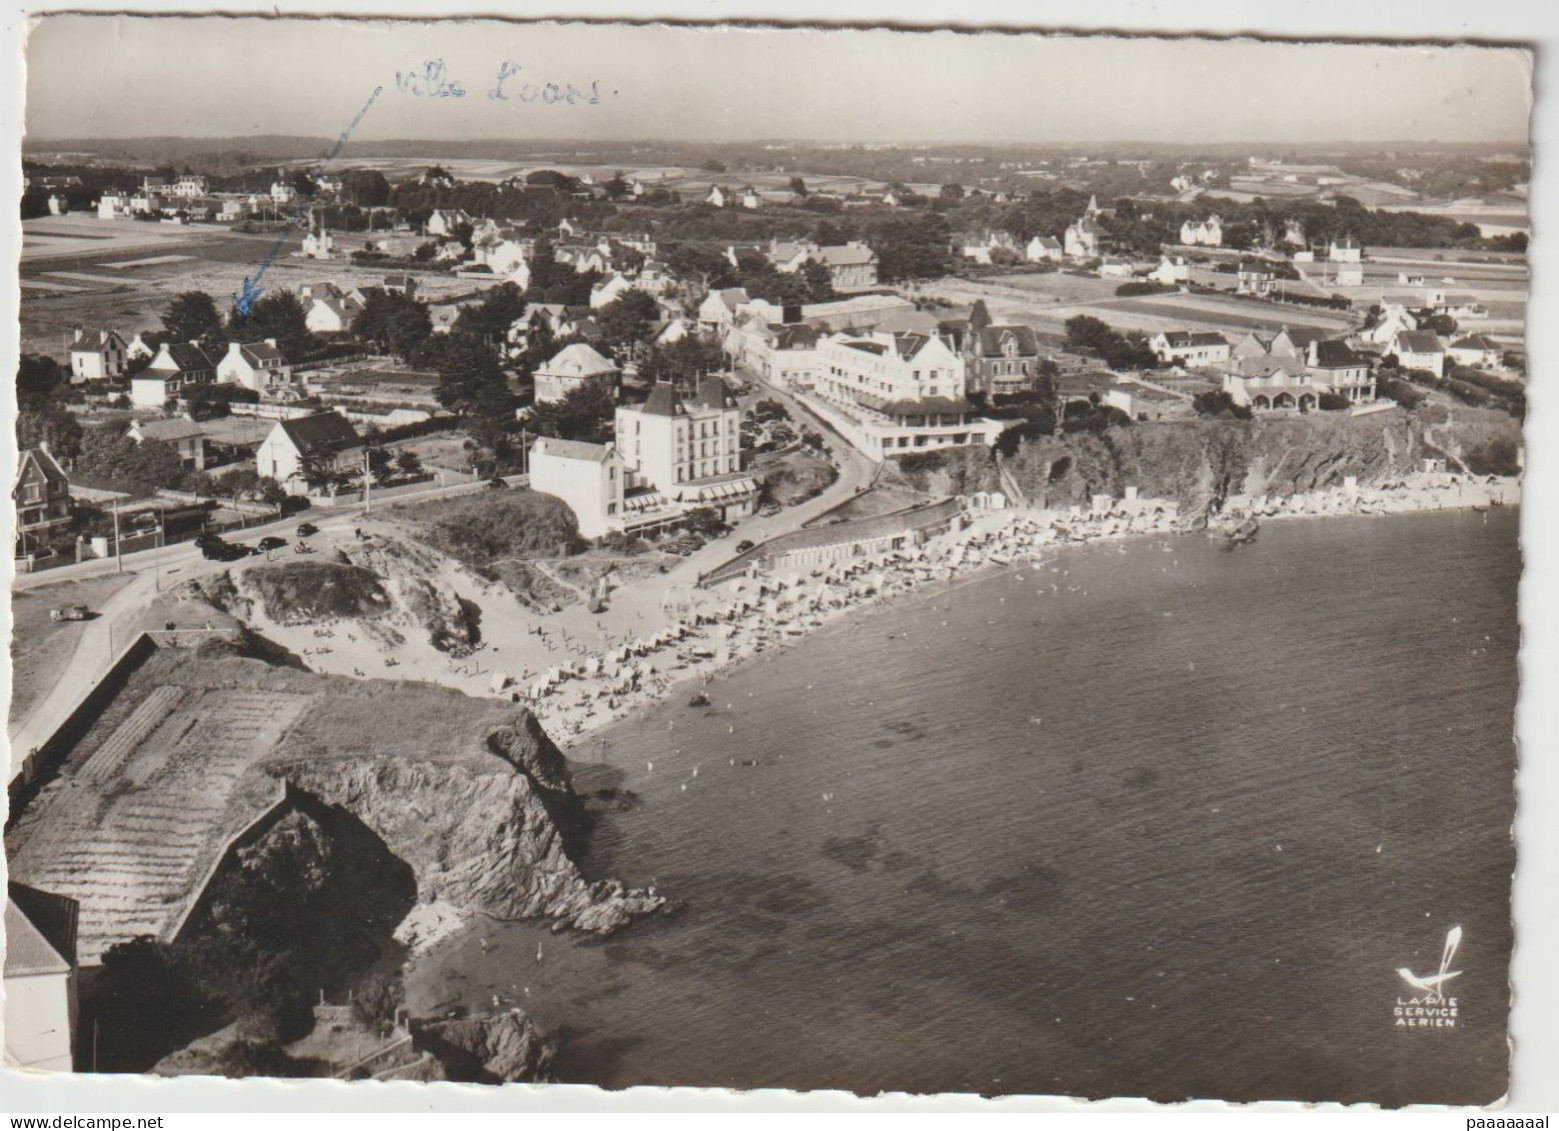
(121, 76)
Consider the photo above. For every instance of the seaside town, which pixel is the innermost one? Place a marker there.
(318, 456)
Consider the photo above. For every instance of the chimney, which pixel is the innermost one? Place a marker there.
(233, 348)
(271, 342)
(77, 331)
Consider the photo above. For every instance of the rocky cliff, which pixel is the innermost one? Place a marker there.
(487, 831)
(1200, 462)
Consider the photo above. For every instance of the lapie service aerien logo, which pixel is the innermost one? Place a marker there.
(1430, 1005)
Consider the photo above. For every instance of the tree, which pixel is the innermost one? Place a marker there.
(799, 187)
(705, 521)
(829, 234)
(912, 248)
(468, 367)
(951, 193)
(393, 322)
(192, 317)
(146, 1005)
(1333, 402)
(1219, 404)
(489, 420)
(682, 361)
(409, 462)
(1085, 332)
(51, 424)
(819, 282)
(491, 318)
(627, 320)
(279, 315)
(366, 188)
(618, 187)
(38, 378)
(584, 413)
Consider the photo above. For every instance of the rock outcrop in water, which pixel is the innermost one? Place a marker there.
(486, 833)
(497, 1049)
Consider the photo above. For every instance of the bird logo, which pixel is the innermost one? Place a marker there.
(1432, 986)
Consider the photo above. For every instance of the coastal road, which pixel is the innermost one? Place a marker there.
(633, 608)
(103, 637)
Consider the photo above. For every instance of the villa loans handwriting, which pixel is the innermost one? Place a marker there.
(433, 80)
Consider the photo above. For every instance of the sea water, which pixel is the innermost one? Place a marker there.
(1157, 819)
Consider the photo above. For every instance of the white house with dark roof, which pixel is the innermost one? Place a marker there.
(1333, 365)
(40, 979)
(176, 365)
(1171, 270)
(444, 221)
(1419, 349)
(718, 310)
(189, 186)
(97, 355)
(590, 478)
(180, 433)
(688, 447)
(1044, 249)
(325, 440)
(1394, 317)
(1267, 384)
(255, 365)
(573, 367)
(1190, 347)
(1475, 349)
(1202, 233)
(332, 314)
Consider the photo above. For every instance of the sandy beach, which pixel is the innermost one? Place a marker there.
(580, 673)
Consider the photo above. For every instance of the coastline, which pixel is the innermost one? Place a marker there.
(740, 620)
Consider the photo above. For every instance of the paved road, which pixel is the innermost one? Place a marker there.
(631, 609)
(103, 637)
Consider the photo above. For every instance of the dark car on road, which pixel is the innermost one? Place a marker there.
(271, 542)
(307, 530)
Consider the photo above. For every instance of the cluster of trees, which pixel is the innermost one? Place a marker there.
(1220, 404)
(193, 316)
(1090, 335)
(1473, 387)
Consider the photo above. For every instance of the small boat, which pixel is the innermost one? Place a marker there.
(1479, 510)
(699, 700)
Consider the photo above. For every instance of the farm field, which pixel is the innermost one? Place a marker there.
(1203, 311)
(122, 277)
(1048, 314)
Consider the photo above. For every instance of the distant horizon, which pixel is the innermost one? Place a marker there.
(477, 80)
(1523, 143)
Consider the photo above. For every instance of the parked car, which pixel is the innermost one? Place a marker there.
(744, 545)
(271, 542)
(70, 612)
(769, 510)
(496, 483)
(307, 530)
